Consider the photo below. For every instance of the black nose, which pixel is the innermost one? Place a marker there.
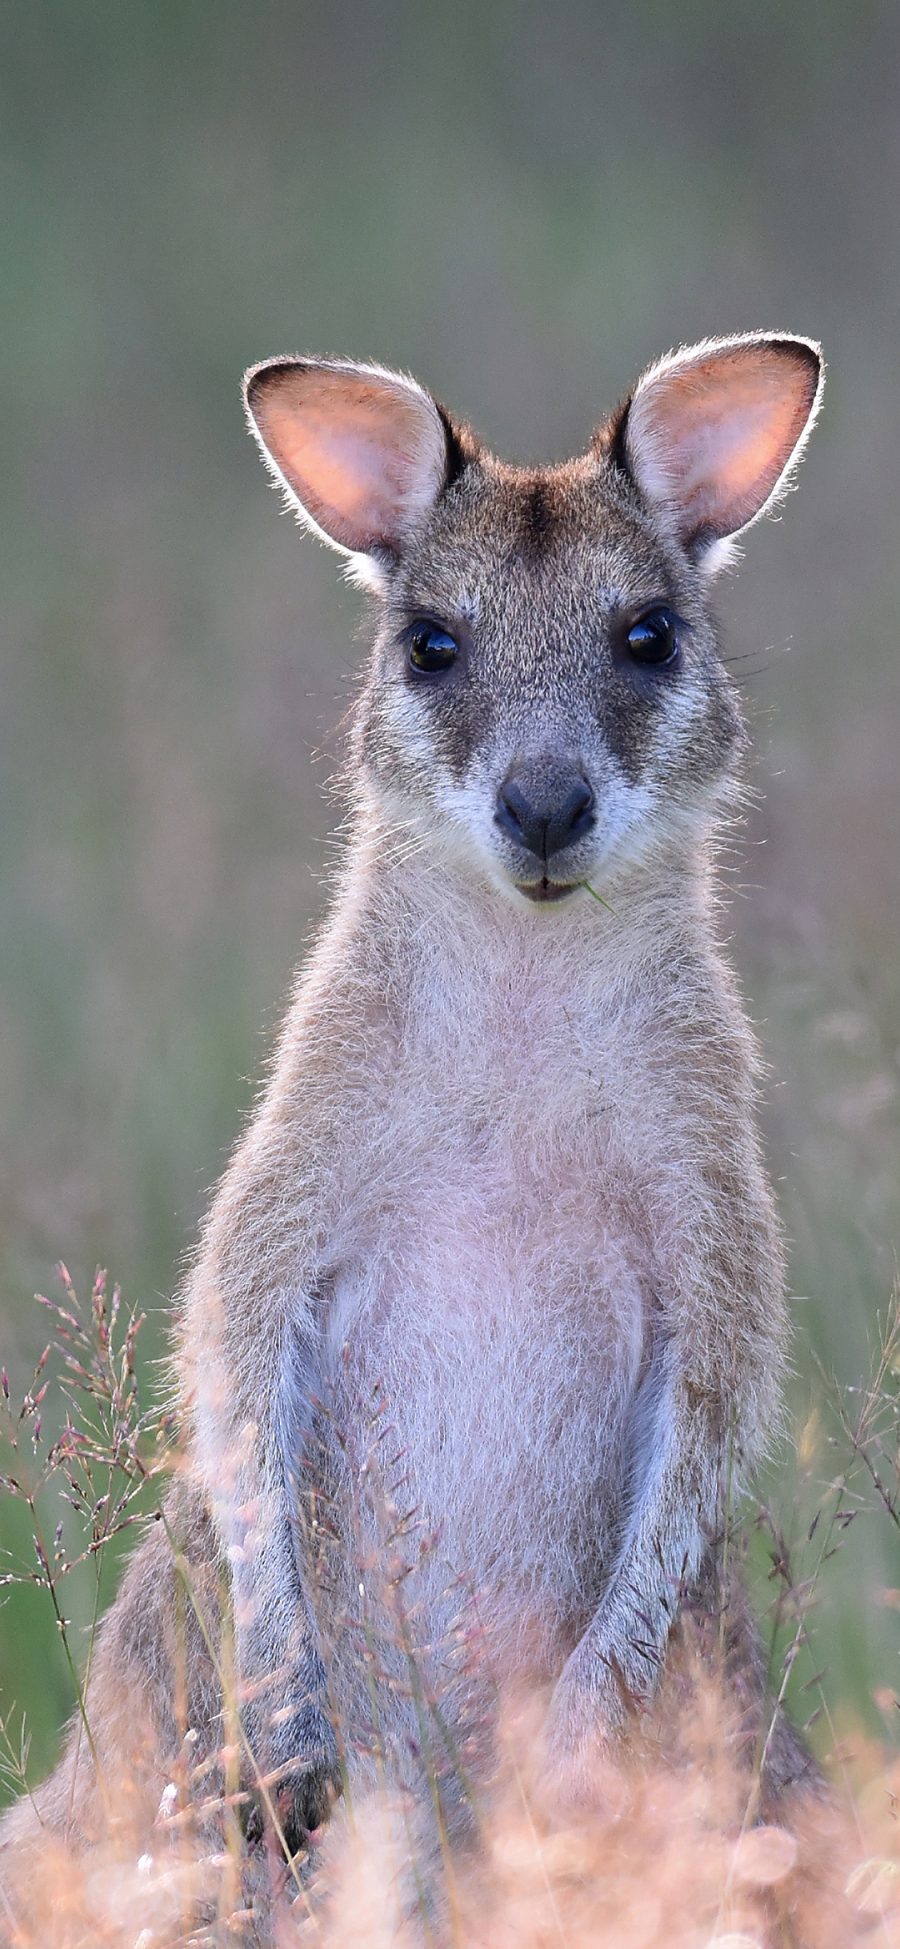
(544, 810)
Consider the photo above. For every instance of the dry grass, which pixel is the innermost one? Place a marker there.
(672, 1852)
(669, 1858)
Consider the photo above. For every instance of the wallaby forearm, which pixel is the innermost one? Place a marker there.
(718, 1349)
(237, 1423)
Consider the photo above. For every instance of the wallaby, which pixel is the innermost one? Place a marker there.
(489, 1304)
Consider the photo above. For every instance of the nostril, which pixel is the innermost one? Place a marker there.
(510, 807)
(522, 820)
(580, 808)
(574, 818)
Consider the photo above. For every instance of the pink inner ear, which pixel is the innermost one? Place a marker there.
(713, 438)
(364, 455)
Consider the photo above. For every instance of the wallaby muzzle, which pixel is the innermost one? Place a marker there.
(545, 807)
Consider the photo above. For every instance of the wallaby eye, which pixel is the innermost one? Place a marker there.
(653, 639)
(431, 650)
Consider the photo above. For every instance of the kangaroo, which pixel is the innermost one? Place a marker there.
(490, 1301)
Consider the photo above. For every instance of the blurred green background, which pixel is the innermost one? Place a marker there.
(522, 204)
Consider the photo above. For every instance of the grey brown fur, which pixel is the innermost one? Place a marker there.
(489, 1304)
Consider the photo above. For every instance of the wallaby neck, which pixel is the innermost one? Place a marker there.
(407, 906)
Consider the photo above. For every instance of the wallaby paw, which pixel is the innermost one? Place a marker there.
(299, 1783)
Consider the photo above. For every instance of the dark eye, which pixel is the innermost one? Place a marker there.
(653, 640)
(431, 649)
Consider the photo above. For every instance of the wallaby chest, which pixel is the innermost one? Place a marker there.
(486, 1334)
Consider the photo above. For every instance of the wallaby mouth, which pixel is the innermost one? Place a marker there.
(548, 890)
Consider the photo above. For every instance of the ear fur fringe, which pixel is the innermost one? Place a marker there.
(724, 551)
(366, 568)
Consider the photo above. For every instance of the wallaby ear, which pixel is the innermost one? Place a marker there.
(712, 434)
(361, 453)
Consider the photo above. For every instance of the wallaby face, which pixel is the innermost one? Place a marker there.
(545, 705)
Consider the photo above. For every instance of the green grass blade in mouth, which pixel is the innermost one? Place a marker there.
(599, 898)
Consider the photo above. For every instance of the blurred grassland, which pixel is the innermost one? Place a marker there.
(522, 205)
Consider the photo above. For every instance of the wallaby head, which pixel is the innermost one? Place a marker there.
(545, 705)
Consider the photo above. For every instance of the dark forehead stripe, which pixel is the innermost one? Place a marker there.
(538, 520)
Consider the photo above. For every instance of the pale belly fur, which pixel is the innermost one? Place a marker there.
(472, 1444)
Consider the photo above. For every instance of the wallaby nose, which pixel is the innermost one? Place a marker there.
(544, 812)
